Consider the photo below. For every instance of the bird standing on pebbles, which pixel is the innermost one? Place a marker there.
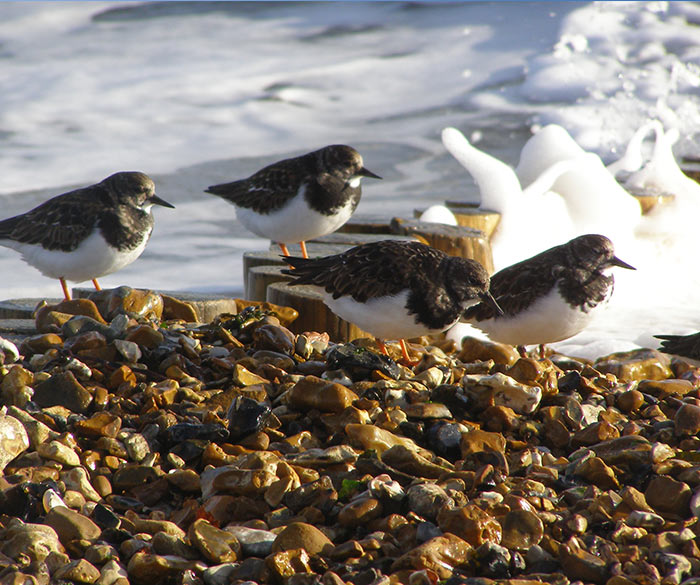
(298, 199)
(396, 289)
(87, 233)
(551, 296)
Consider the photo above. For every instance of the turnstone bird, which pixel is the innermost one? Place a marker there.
(551, 296)
(684, 345)
(396, 289)
(86, 233)
(298, 199)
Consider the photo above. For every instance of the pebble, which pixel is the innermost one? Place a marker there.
(301, 535)
(80, 571)
(312, 392)
(254, 542)
(26, 540)
(216, 545)
(14, 439)
(71, 525)
(63, 389)
(234, 451)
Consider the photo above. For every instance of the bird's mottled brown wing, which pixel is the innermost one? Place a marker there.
(267, 190)
(684, 345)
(367, 271)
(60, 223)
(516, 287)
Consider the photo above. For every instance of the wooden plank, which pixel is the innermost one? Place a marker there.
(260, 277)
(313, 313)
(471, 217)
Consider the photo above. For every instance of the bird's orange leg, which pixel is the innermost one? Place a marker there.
(304, 254)
(283, 247)
(404, 351)
(96, 284)
(66, 292)
(381, 345)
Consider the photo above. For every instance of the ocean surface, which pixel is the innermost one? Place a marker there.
(197, 93)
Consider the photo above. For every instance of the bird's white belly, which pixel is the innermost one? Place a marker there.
(295, 222)
(91, 259)
(384, 317)
(548, 320)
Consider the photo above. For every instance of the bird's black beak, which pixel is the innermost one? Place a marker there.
(487, 297)
(363, 172)
(615, 261)
(158, 201)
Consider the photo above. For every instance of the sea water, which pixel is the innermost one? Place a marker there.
(198, 93)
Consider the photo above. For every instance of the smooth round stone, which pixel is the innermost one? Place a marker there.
(427, 410)
(373, 437)
(630, 401)
(101, 553)
(521, 529)
(145, 336)
(638, 364)
(77, 479)
(474, 350)
(254, 542)
(9, 353)
(216, 545)
(35, 541)
(59, 452)
(687, 420)
(132, 302)
(440, 555)
(169, 544)
(579, 564)
(595, 471)
(471, 524)
(129, 350)
(668, 496)
(71, 525)
(427, 499)
(113, 573)
(221, 574)
(62, 389)
(145, 568)
(150, 526)
(664, 388)
(444, 439)
(133, 475)
(410, 462)
(639, 519)
(506, 391)
(89, 340)
(80, 324)
(186, 480)
(13, 439)
(431, 378)
(301, 535)
(80, 571)
(275, 338)
(315, 393)
(16, 377)
(359, 512)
